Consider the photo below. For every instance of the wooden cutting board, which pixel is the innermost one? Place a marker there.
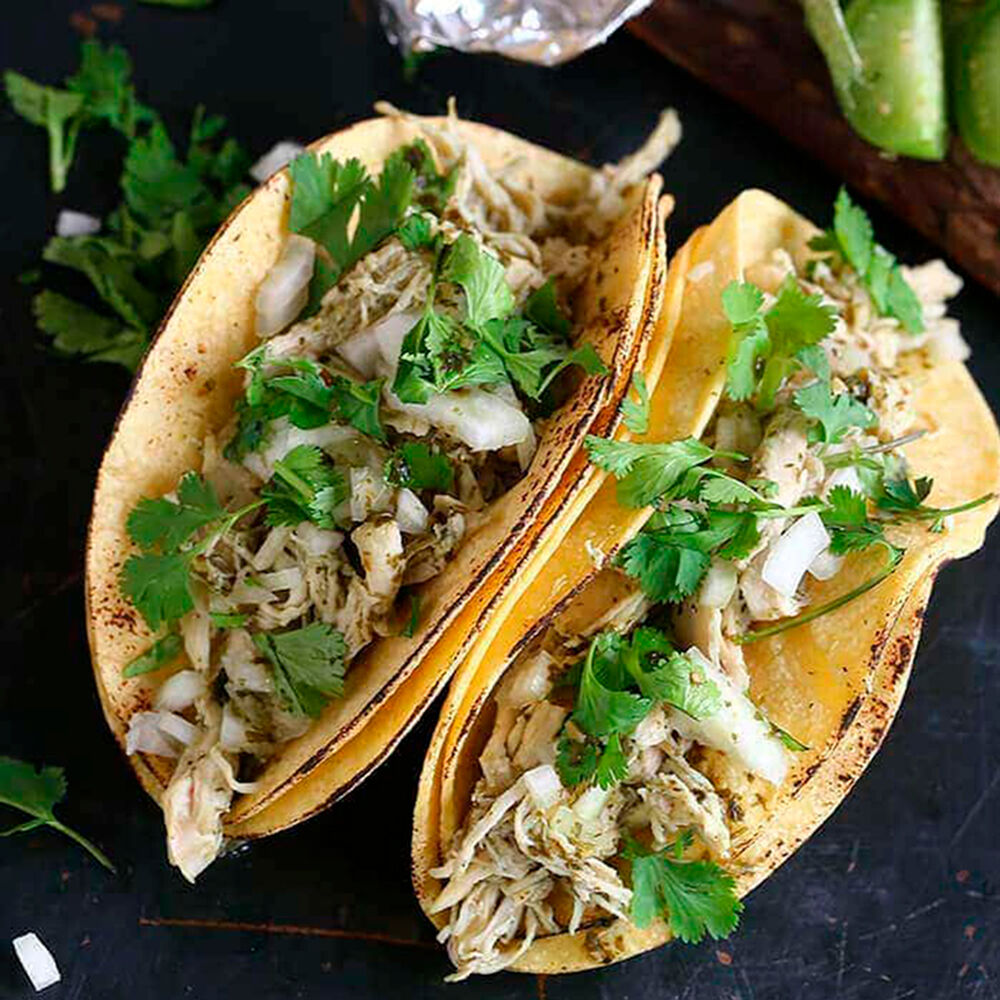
(757, 53)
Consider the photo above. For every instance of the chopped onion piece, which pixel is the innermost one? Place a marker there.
(278, 156)
(543, 785)
(180, 691)
(178, 728)
(70, 223)
(318, 541)
(369, 493)
(411, 514)
(947, 343)
(528, 682)
(826, 565)
(284, 436)
(479, 419)
(284, 292)
(37, 961)
(232, 731)
(379, 342)
(526, 450)
(719, 585)
(589, 805)
(737, 728)
(793, 553)
(145, 736)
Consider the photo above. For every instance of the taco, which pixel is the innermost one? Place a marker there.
(357, 418)
(720, 642)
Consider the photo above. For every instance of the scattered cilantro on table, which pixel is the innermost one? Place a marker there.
(37, 793)
(172, 201)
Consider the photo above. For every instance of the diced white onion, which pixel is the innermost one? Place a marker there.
(719, 584)
(736, 728)
(279, 155)
(283, 437)
(700, 271)
(411, 514)
(369, 493)
(826, 565)
(284, 292)
(947, 342)
(528, 682)
(232, 731)
(318, 541)
(479, 419)
(793, 553)
(271, 547)
(145, 736)
(180, 691)
(70, 223)
(177, 728)
(526, 450)
(589, 805)
(543, 785)
(379, 342)
(37, 961)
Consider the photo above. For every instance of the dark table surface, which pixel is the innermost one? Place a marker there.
(896, 896)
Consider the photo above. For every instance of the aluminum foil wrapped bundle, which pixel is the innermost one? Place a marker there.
(546, 32)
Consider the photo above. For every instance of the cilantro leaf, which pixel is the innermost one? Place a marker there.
(431, 189)
(835, 414)
(765, 347)
(162, 653)
(37, 793)
(168, 523)
(358, 404)
(104, 81)
(636, 414)
(847, 519)
(852, 239)
(673, 552)
(305, 486)
(674, 678)
(542, 308)
(612, 766)
(576, 761)
(417, 466)
(77, 329)
(410, 628)
(646, 472)
(694, 897)
(600, 709)
(900, 495)
(481, 277)
(415, 232)
(307, 664)
(57, 111)
(158, 585)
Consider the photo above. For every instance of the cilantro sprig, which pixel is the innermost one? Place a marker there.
(487, 344)
(305, 392)
(833, 414)
(694, 897)
(306, 486)
(851, 240)
(37, 793)
(619, 683)
(769, 345)
(171, 203)
(308, 665)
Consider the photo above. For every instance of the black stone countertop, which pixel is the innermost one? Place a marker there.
(895, 897)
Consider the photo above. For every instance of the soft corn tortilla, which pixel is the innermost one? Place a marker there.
(836, 682)
(187, 387)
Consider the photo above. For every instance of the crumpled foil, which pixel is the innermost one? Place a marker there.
(537, 31)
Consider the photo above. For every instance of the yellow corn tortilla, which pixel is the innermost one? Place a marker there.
(835, 683)
(187, 386)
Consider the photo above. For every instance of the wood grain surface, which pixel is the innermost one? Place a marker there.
(757, 53)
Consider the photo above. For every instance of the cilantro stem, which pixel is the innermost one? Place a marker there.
(92, 849)
(226, 524)
(809, 508)
(934, 513)
(895, 555)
